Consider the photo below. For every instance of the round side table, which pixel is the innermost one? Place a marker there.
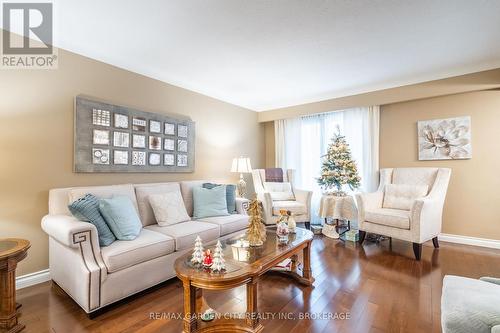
(337, 208)
(12, 251)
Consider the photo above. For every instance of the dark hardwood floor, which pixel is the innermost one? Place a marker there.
(380, 290)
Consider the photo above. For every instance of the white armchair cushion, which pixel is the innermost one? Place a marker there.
(169, 208)
(395, 218)
(279, 191)
(402, 196)
(295, 207)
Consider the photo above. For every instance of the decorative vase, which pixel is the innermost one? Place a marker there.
(291, 224)
(282, 232)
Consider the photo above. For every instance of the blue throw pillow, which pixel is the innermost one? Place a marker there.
(121, 217)
(87, 209)
(230, 196)
(209, 202)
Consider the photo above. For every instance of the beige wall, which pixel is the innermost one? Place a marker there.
(36, 137)
(270, 144)
(465, 83)
(473, 201)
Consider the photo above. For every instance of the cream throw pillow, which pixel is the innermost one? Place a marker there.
(279, 191)
(169, 208)
(401, 196)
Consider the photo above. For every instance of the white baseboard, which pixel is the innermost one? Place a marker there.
(466, 240)
(31, 279)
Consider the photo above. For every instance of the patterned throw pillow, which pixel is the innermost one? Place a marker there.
(169, 208)
(87, 209)
(230, 196)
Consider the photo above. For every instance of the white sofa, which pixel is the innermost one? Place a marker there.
(418, 224)
(95, 277)
(470, 305)
(300, 207)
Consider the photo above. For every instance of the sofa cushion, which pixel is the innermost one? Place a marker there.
(148, 245)
(228, 224)
(143, 192)
(279, 191)
(295, 207)
(469, 305)
(230, 196)
(402, 196)
(185, 233)
(121, 217)
(87, 209)
(209, 202)
(395, 218)
(104, 192)
(187, 193)
(169, 208)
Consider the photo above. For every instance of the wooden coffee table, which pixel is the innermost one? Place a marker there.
(243, 266)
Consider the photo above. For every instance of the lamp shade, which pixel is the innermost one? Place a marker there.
(241, 165)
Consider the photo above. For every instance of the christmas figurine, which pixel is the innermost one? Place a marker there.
(219, 264)
(207, 259)
(197, 256)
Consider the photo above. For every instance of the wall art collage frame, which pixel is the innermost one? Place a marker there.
(113, 138)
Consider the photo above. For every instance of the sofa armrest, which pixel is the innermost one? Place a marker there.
(367, 201)
(76, 262)
(371, 200)
(65, 229)
(426, 218)
(490, 279)
(303, 196)
(267, 206)
(242, 206)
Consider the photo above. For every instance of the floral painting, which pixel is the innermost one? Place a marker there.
(444, 139)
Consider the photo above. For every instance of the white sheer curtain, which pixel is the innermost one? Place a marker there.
(300, 143)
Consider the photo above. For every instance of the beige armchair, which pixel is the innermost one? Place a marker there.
(299, 203)
(408, 205)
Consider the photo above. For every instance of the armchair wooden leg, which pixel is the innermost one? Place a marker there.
(435, 242)
(362, 235)
(417, 250)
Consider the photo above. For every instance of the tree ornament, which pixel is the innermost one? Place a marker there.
(338, 168)
(256, 233)
(219, 264)
(197, 256)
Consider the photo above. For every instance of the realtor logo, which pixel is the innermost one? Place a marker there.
(28, 36)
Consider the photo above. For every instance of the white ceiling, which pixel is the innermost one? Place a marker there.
(264, 54)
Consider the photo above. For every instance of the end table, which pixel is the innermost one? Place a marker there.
(12, 251)
(337, 208)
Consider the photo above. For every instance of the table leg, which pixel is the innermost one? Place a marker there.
(294, 259)
(192, 304)
(252, 315)
(8, 309)
(306, 271)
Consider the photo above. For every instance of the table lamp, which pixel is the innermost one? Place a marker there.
(241, 165)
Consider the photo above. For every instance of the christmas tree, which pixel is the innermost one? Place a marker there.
(256, 233)
(338, 168)
(197, 256)
(219, 264)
